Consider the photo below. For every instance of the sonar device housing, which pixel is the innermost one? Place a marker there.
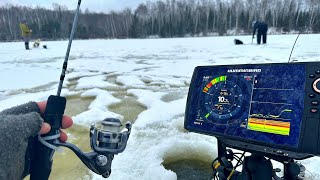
(267, 109)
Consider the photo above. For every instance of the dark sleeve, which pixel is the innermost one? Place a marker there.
(18, 125)
(255, 27)
(22, 109)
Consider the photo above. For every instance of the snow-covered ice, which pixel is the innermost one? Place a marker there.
(157, 72)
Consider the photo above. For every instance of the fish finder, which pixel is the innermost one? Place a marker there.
(272, 109)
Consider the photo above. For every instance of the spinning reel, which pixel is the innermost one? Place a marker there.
(105, 143)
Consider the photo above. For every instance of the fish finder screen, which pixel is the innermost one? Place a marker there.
(253, 102)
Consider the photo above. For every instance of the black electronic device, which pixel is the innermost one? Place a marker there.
(271, 109)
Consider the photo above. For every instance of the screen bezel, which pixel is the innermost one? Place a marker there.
(250, 141)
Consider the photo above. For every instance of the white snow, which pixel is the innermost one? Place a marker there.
(92, 82)
(130, 81)
(98, 108)
(150, 69)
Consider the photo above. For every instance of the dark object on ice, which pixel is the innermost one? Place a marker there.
(237, 42)
(262, 31)
(45, 46)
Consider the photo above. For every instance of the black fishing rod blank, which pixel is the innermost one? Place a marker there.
(65, 63)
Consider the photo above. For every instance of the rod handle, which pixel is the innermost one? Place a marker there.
(54, 112)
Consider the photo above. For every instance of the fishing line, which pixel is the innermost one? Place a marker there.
(298, 37)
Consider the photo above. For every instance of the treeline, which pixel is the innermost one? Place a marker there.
(171, 18)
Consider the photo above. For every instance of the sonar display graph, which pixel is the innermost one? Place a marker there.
(271, 109)
(269, 123)
(263, 105)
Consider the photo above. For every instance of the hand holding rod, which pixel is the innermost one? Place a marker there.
(105, 143)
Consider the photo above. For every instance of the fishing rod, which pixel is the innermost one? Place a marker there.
(105, 142)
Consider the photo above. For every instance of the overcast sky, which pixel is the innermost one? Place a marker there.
(92, 5)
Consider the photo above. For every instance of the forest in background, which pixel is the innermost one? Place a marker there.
(170, 18)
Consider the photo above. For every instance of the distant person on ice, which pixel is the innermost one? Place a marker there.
(25, 33)
(262, 31)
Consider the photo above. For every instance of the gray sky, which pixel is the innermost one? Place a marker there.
(92, 5)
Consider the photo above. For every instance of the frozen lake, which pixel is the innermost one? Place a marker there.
(144, 81)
